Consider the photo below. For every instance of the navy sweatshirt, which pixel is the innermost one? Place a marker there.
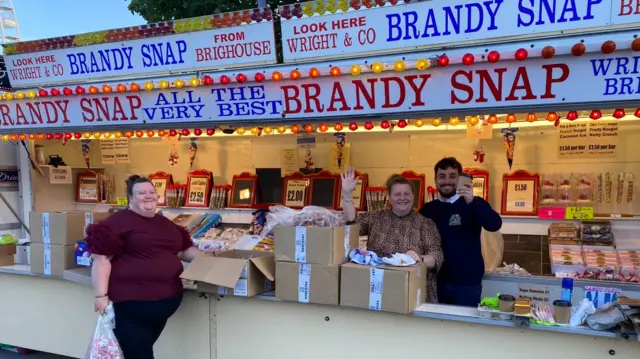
(460, 225)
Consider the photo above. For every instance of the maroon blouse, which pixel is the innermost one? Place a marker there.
(145, 264)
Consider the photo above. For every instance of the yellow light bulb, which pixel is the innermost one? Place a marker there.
(164, 84)
(422, 64)
(436, 122)
(107, 135)
(179, 83)
(355, 70)
(377, 67)
(399, 66)
(117, 134)
(419, 123)
(9, 96)
(281, 129)
(267, 130)
(194, 82)
(148, 86)
(19, 95)
(240, 131)
(454, 121)
(96, 135)
(31, 94)
(87, 135)
(5, 137)
(255, 130)
(473, 120)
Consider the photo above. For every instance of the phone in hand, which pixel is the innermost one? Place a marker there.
(465, 181)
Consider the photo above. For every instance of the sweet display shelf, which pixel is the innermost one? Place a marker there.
(74, 167)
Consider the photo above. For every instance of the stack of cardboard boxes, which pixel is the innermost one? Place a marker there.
(53, 236)
(310, 268)
(6, 254)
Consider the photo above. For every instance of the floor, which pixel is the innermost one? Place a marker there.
(5, 354)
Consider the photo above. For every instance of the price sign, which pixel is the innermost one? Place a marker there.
(581, 213)
(296, 193)
(88, 187)
(356, 194)
(122, 201)
(520, 196)
(161, 189)
(197, 193)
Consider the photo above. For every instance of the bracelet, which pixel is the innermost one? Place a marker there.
(102, 296)
(347, 200)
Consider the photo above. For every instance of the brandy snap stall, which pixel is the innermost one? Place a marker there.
(538, 100)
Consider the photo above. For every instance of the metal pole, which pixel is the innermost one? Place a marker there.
(2, 197)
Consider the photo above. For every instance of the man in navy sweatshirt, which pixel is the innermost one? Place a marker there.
(460, 218)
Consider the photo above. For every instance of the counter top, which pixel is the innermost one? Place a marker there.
(439, 312)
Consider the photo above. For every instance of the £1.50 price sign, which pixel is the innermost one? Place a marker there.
(520, 196)
(296, 193)
(580, 213)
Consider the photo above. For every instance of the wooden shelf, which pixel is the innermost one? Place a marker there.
(74, 167)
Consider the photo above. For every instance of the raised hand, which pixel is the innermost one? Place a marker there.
(349, 181)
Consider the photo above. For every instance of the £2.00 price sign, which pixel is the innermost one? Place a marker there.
(296, 193)
(581, 213)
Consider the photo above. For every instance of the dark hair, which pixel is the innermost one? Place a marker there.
(134, 180)
(397, 179)
(447, 162)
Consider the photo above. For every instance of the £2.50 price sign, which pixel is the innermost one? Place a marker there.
(197, 194)
(296, 193)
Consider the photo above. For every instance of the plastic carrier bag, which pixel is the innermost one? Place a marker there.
(104, 344)
(308, 216)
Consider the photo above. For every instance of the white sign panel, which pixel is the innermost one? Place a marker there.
(562, 80)
(115, 151)
(226, 47)
(60, 175)
(430, 23)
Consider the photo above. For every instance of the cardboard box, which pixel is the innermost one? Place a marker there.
(315, 245)
(8, 249)
(384, 288)
(50, 259)
(308, 283)
(6, 260)
(241, 273)
(93, 217)
(57, 228)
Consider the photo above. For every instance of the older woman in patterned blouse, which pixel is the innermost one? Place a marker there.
(399, 229)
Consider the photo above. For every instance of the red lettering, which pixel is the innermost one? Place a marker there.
(35, 112)
(102, 109)
(417, 89)
(626, 8)
(85, 105)
(135, 104)
(521, 75)
(6, 117)
(20, 116)
(462, 87)
(62, 105)
(550, 80)
(369, 95)
(288, 98)
(308, 97)
(337, 95)
(486, 79)
(387, 92)
(52, 117)
(118, 110)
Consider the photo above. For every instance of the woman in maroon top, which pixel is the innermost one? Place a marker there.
(137, 266)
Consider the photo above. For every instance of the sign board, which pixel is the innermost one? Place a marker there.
(601, 295)
(296, 193)
(591, 139)
(535, 293)
(115, 151)
(429, 24)
(580, 213)
(536, 82)
(289, 160)
(60, 175)
(192, 51)
(8, 176)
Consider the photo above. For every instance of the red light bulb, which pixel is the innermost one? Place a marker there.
(207, 80)
(241, 78)
(493, 119)
(68, 136)
(493, 57)
(43, 93)
(468, 59)
(532, 117)
(67, 91)
(443, 60)
(93, 90)
(313, 73)
(353, 126)
(548, 52)
(295, 74)
(368, 125)
(402, 124)
(121, 88)
(552, 117)
(49, 136)
(578, 49)
(77, 135)
(608, 47)
(521, 54)
(58, 136)
(224, 79)
(295, 128)
(619, 113)
(80, 90)
(259, 77)
(139, 134)
(572, 115)
(338, 127)
(595, 114)
(637, 113)
(335, 71)
(210, 131)
(173, 133)
(197, 132)
(385, 125)
(134, 87)
(185, 132)
(106, 89)
(276, 76)
(55, 92)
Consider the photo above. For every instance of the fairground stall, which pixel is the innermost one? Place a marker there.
(538, 100)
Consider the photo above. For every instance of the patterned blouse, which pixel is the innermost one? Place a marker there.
(389, 234)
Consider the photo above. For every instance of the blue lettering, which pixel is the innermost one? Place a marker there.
(590, 4)
(197, 109)
(218, 93)
(146, 58)
(452, 19)
(493, 13)
(431, 24)
(167, 113)
(569, 6)
(599, 67)
(611, 87)
(224, 110)
(256, 92)
(73, 64)
(162, 100)
(161, 54)
(470, 8)
(258, 108)
(411, 18)
(551, 12)
(150, 112)
(393, 20)
(525, 10)
(114, 59)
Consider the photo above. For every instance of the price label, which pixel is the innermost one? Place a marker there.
(581, 213)
(296, 193)
(161, 189)
(197, 194)
(520, 196)
(356, 195)
(122, 201)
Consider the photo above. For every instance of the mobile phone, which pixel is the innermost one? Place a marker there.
(464, 181)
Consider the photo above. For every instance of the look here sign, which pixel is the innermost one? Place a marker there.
(589, 78)
(424, 24)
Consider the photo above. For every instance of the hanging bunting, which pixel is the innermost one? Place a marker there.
(340, 142)
(193, 149)
(509, 135)
(86, 152)
(478, 153)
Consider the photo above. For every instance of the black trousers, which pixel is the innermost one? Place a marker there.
(140, 323)
(465, 296)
